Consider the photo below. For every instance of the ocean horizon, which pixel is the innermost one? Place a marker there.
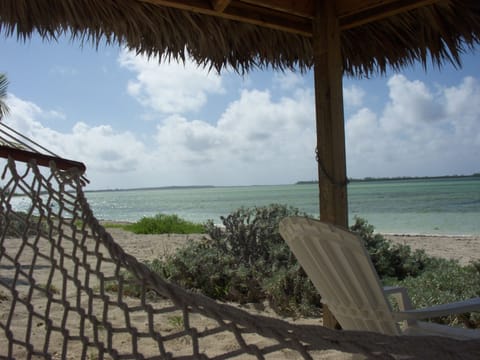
(475, 176)
(419, 206)
(426, 206)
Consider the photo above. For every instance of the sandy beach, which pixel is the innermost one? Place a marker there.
(462, 248)
(465, 249)
(149, 247)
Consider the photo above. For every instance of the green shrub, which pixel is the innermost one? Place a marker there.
(199, 266)
(445, 281)
(390, 260)
(114, 225)
(165, 224)
(246, 261)
(250, 234)
(290, 292)
(17, 224)
(430, 281)
(131, 286)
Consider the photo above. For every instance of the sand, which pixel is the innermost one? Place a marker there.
(465, 249)
(149, 247)
(462, 248)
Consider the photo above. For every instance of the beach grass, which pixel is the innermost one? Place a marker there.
(164, 224)
(114, 225)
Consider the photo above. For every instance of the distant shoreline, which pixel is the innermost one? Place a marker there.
(401, 178)
(475, 176)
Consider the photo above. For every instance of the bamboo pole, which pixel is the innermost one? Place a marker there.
(328, 70)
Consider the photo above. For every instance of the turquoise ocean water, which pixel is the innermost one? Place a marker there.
(434, 206)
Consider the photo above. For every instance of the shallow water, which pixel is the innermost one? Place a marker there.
(434, 206)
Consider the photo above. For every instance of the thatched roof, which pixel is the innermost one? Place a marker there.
(245, 34)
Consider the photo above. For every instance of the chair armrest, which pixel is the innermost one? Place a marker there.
(401, 296)
(439, 310)
(392, 290)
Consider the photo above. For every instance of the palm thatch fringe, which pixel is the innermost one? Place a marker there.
(439, 33)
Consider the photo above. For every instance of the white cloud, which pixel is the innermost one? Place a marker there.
(169, 88)
(462, 110)
(256, 140)
(353, 96)
(260, 139)
(100, 147)
(104, 149)
(411, 105)
(419, 132)
(191, 142)
(21, 115)
(288, 80)
(55, 114)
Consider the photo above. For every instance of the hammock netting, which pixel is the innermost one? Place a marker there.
(66, 293)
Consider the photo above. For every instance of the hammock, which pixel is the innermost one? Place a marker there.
(65, 290)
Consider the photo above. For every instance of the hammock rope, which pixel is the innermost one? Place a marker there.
(69, 291)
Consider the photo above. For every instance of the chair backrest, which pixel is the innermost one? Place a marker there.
(340, 268)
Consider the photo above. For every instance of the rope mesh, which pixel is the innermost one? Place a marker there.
(66, 293)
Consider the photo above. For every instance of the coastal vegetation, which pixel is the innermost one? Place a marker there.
(22, 224)
(429, 280)
(399, 178)
(445, 281)
(164, 224)
(247, 261)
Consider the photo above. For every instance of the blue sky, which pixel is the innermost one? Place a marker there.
(137, 123)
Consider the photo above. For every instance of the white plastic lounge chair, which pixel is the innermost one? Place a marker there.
(340, 268)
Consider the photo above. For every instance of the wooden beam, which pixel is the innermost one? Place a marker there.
(328, 72)
(366, 10)
(304, 8)
(295, 16)
(356, 13)
(270, 18)
(245, 12)
(220, 5)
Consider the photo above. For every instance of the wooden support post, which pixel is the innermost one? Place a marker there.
(330, 120)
